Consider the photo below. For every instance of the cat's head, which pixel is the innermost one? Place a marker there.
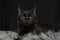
(26, 16)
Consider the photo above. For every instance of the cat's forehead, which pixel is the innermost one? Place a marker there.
(27, 12)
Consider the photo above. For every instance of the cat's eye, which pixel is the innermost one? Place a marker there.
(23, 17)
(30, 17)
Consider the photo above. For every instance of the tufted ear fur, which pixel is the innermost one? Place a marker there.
(19, 11)
(34, 10)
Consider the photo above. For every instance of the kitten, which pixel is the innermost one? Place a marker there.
(27, 22)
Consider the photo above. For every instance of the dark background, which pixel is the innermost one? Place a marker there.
(48, 11)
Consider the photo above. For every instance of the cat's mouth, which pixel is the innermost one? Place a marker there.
(27, 23)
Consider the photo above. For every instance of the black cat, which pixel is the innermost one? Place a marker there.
(28, 22)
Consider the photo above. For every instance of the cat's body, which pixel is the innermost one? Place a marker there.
(28, 22)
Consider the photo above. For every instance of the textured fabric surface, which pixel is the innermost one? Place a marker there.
(8, 35)
(43, 36)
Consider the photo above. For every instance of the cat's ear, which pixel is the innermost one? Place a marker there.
(34, 10)
(19, 11)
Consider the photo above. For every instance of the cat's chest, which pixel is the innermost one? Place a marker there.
(31, 26)
(27, 28)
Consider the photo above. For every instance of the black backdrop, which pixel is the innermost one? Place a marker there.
(8, 15)
(48, 12)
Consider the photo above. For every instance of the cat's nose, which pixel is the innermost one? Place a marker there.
(26, 22)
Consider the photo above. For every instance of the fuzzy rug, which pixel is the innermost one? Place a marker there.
(42, 36)
(8, 35)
